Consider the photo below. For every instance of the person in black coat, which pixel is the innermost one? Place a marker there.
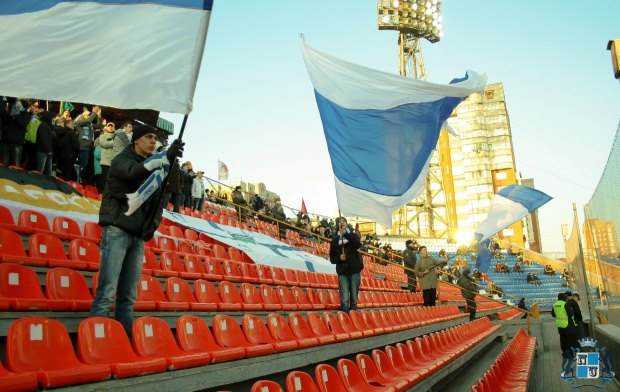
(66, 149)
(343, 252)
(13, 134)
(44, 145)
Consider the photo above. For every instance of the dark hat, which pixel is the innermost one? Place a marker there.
(408, 242)
(140, 131)
(568, 293)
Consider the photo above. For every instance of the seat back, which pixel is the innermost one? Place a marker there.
(167, 244)
(178, 290)
(11, 243)
(193, 263)
(277, 274)
(219, 252)
(264, 273)
(150, 260)
(149, 289)
(382, 361)
(190, 235)
(357, 320)
(289, 276)
(302, 278)
(103, 340)
(249, 270)
(152, 337)
(297, 381)
(193, 335)
(255, 330)
(213, 266)
(232, 269)
(266, 386)
(250, 294)
(18, 281)
(317, 325)
(65, 225)
(285, 296)
(39, 343)
(396, 357)
(6, 216)
(235, 254)
(84, 250)
(368, 369)
(346, 323)
(176, 231)
(300, 296)
(227, 332)
(279, 328)
(333, 323)
(46, 246)
(205, 292)
(93, 231)
(170, 261)
(268, 295)
(229, 293)
(33, 220)
(300, 326)
(65, 283)
(328, 379)
(351, 376)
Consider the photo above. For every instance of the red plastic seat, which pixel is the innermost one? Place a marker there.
(302, 278)
(280, 330)
(233, 272)
(270, 297)
(149, 291)
(103, 341)
(66, 228)
(166, 244)
(19, 286)
(256, 332)
(230, 294)
(303, 303)
(194, 265)
(67, 284)
(347, 325)
(370, 373)
(266, 386)
(353, 379)
(10, 381)
(235, 254)
(336, 328)
(213, 270)
(359, 323)
(171, 261)
(322, 297)
(176, 231)
(178, 290)
(398, 362)
(92, 232)
(8, 222)
(153, 338)
(193, 335)
(290, 277)
(302, 330)
(227, 333)
(205, 292)
(286, 298)
(277, 275)
(251, 295)
(320, 328)
(328, 379)
(32, 221)
(149, 262)
(219, 252)
(51, 248)
(42, 345)
(190, 235)
(12, 250)
(297, 381)
(249, 271)
(84, 251)
(265, 274)
(387, 370)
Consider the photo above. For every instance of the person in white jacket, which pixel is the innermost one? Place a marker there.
(106, 142)
(198, 192)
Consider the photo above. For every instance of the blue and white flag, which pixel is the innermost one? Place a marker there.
(128, 54)
(483, 256)
(152, 184)
(381, 130)
(509, 205)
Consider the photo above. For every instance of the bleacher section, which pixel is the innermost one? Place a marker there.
(208, 317)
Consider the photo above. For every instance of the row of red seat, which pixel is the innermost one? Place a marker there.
(509, 314)
(66, 289)
(41, 346)
(396, 368)
(512, 368)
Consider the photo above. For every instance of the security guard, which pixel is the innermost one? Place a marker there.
(567, 328)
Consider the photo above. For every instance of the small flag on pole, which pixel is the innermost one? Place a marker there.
(222, 171)
(303, 207)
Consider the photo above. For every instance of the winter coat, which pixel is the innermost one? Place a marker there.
(106, 142)
(121, 140)
(45, 134)
(353, 260)
(428, 281)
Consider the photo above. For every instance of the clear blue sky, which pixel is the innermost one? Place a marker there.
(254, 106)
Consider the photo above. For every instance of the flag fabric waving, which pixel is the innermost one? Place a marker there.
(509, 205)
(483, 256)
(304, 210)
(381, 130)
(222, 171)
(131, 54)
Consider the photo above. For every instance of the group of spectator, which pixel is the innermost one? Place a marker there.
(532, 278)
(549, 270)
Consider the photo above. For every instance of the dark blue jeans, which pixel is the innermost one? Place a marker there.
(119, 272)
(349, 287)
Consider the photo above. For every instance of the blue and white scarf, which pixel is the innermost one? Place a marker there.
(159, 165)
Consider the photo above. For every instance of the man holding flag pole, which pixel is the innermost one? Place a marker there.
(130, 197)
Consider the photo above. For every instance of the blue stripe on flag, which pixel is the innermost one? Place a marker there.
(529, 198)
(26, 6)
(382, 151)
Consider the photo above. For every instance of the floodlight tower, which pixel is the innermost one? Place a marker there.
(433, 213)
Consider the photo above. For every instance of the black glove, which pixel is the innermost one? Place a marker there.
(175, 150)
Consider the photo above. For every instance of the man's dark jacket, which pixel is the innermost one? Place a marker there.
(353, 262)
(127, 173)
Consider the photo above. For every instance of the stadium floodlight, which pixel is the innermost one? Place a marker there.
(420, 18)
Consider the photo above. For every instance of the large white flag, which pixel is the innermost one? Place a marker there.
(381, 130)
(128, 54)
